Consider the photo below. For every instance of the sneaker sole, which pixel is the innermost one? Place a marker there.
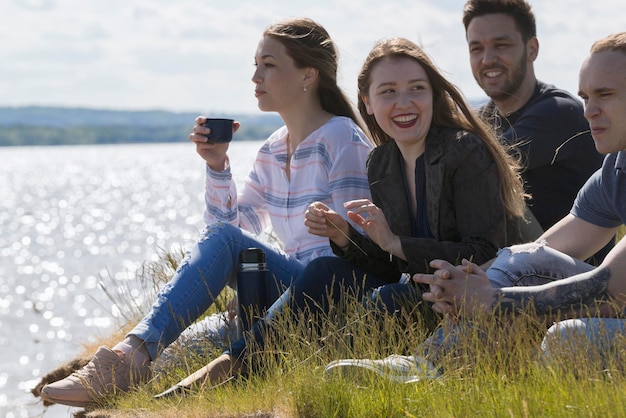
(68, 402)
(354, 369)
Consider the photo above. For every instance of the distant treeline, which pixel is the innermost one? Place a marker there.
(73, 126)
(80, 135)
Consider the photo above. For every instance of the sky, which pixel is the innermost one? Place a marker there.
(198, 55)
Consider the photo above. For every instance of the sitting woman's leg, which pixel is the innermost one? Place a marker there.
(404, 301)
(206, 269)
(322, 284)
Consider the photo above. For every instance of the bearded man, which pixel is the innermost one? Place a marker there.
(544, 124)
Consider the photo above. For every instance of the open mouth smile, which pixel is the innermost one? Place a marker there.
(405, 120)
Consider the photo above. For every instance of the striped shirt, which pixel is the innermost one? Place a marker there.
(328, 166)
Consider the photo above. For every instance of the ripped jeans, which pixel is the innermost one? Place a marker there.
(536, 264)
(209, 265)
(520, 265)
(532, 264)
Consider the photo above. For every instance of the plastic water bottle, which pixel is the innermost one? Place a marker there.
(251, 286)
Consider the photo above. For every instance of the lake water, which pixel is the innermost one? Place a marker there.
(71, 217)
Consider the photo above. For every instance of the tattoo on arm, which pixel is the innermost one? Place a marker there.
(582, 289)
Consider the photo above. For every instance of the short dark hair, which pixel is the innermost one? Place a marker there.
(519, 10)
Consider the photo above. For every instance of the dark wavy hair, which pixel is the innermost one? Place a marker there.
(449, 110)
(310, 45)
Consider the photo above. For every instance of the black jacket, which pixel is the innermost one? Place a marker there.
(465, 211)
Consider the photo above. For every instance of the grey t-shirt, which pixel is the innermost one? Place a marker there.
(602, 199)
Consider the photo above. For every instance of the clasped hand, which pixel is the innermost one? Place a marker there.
(463, 289)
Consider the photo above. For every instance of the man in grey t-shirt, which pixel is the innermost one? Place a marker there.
(599, 210)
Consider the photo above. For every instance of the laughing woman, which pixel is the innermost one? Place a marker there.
(441, 186)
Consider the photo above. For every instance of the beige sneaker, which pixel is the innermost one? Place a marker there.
(105, 374)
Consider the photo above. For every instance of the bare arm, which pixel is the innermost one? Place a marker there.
(576, 295)
(467, 289)
(577, 238)
(584, 289)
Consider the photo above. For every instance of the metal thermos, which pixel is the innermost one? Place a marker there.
(251, 286)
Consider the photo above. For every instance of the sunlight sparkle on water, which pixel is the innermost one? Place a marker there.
(70, 216)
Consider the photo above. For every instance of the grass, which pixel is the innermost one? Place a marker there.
(497, 370)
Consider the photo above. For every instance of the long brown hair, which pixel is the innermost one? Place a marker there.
(449, 110)
(310, 45)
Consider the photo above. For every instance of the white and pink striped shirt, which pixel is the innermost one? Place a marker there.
(328, 166)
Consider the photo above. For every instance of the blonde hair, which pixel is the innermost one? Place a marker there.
(449, 110)
(613, 42)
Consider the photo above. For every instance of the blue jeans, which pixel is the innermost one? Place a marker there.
(532, 264)
(322, 284)
(209, 266)
(586, 335)
(520, 265)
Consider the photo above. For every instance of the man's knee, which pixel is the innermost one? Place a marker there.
(563, 333)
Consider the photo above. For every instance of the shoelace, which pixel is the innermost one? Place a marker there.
(90, 369)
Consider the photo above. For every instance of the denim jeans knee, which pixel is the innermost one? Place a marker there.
(532, 264)
(585, 335)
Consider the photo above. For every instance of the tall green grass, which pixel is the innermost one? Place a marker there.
(496, 370)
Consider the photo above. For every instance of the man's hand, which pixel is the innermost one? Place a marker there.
(462, 290)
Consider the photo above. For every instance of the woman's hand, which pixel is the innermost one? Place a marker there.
(369, 217)
(325, 222)
(214, 154)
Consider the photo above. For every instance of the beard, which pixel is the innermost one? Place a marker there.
(512, 83)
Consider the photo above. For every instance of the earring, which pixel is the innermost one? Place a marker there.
(304, 88)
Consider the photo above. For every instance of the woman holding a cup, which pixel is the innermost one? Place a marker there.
(319, 155)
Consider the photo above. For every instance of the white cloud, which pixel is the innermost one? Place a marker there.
(196, 55)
